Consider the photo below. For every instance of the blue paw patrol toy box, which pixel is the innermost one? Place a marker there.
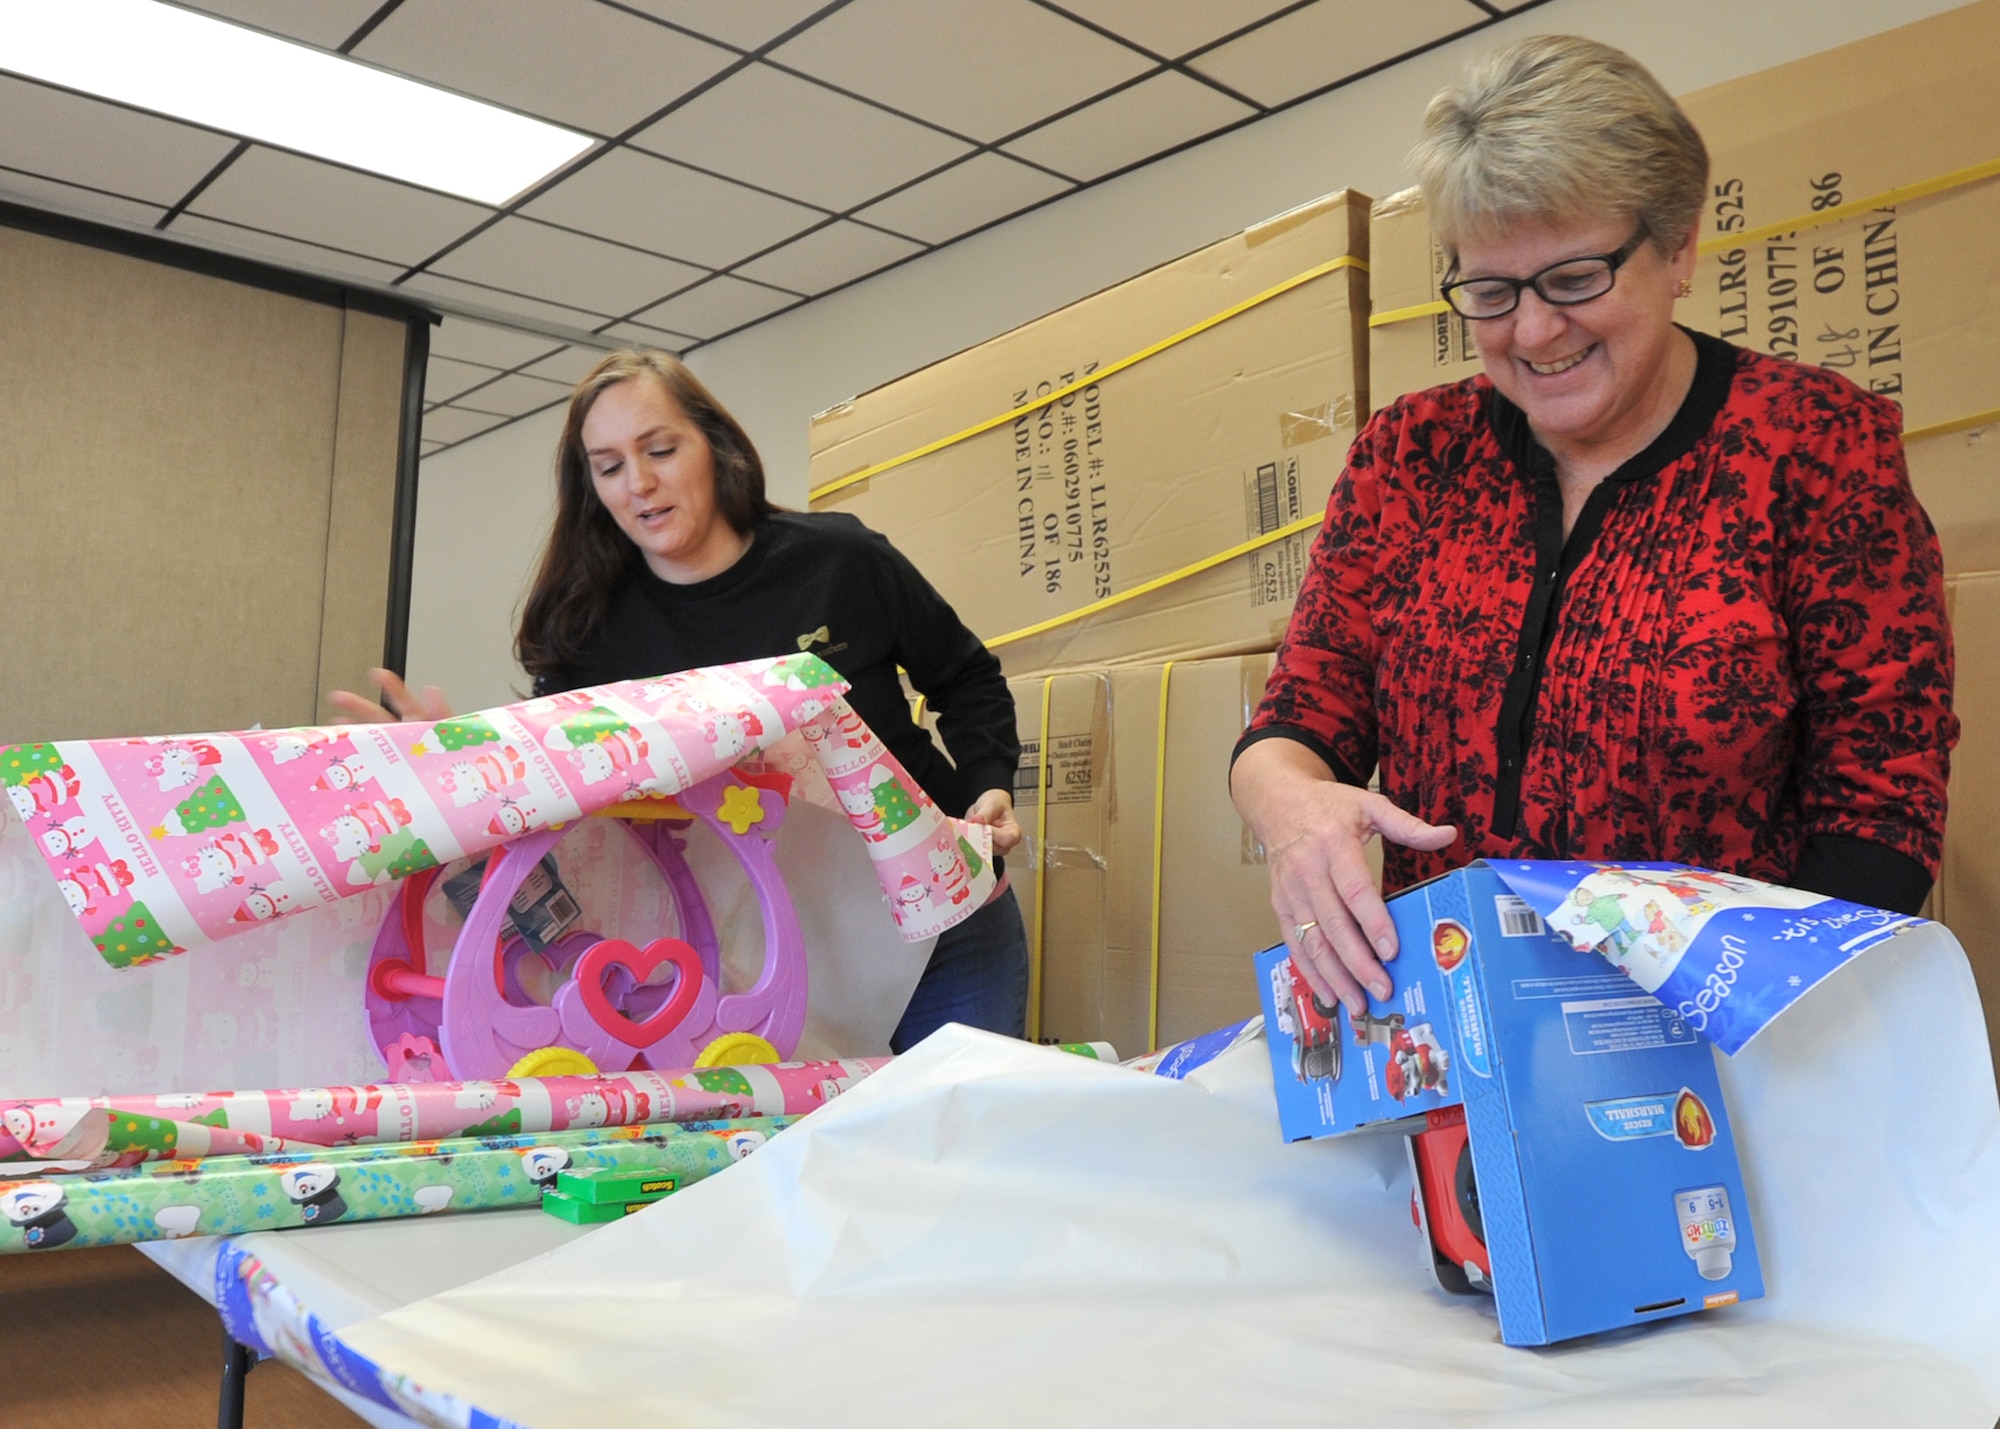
(1571, 1149)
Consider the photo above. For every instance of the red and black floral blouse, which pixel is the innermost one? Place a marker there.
(1737, 659)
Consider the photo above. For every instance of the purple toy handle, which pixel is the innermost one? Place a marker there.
(775, 1008)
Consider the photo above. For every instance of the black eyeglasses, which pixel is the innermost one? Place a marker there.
(1565, 284)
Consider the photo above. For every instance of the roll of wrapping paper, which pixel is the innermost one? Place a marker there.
(163, 843)
(103, 1132)
(229, 1195)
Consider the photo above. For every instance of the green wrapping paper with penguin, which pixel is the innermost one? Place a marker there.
(229, 1195)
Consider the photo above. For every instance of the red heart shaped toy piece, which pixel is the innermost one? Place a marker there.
(593, 971)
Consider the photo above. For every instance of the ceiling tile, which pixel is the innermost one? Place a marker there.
(323, 203)
(829, 257)
(734, 22)
(455, 424)
(326, 23)
(639, 335)
(1327, 41)
(1173, 27)
(569, 366)
(446, 377)
(38, 192)
(669, 208)
(483, 303)
(979, 67)
(1133, 124)
(489, 346)
(716, 306)
(84, 141)
(573, 61)
(788, 134)
(275, 248)
(538, 261)
(512, 395)
(963, 197)
(428, 447)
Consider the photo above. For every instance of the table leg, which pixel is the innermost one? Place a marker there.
(237, 1362)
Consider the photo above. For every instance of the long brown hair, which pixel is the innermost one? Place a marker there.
(587, 554)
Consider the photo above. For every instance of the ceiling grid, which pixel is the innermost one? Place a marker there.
(748, 155)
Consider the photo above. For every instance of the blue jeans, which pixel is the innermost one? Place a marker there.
(978, 975)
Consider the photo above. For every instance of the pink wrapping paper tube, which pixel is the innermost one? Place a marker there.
(188, 1125)
(164, 843)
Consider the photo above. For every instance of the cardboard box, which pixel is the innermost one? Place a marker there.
(1225, 437)
(1607, 1181)
(1899, 299)
(1414, 341)
(1957, 477)
(1094, 870)
(1967, 898)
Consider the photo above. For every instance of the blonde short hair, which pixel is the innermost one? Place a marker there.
(1558, 128)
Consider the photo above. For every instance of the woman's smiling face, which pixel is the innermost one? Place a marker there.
(654, 472)
(1587, 375)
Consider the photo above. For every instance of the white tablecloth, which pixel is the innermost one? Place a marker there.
(991, 1233)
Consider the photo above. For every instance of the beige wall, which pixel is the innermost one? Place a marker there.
(197, 481)
(482, 511)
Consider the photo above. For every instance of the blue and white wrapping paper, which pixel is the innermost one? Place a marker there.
(1724, 954)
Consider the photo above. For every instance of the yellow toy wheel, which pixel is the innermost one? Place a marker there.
(736, 1049)
(555, 1062)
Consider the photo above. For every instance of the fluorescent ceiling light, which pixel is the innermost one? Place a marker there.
(226, 77)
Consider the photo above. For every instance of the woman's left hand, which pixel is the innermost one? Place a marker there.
(399, 702)
(995, 809)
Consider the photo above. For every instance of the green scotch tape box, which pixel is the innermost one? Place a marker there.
(588, 1213)
(615, 1185)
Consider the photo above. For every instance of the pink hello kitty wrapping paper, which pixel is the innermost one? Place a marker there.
(164, 843)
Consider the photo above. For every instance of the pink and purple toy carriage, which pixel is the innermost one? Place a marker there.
(618, 1005)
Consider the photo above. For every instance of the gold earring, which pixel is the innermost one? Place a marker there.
(1685, 290)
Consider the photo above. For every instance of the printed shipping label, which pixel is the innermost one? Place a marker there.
(1071, 777)
(1062, 502)
(1274, 497)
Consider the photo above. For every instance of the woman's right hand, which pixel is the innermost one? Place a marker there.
(1314, 829)
(400, 702)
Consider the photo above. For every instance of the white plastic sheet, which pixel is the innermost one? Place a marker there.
(990, 1233)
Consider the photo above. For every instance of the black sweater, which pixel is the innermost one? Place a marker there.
(805, 574)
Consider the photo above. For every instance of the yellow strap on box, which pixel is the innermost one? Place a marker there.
(1403, 315)
(1041, 870)
(1959, 424)
(1295, 281)
(1241, 548)
(1159, 845)
(1908, 193)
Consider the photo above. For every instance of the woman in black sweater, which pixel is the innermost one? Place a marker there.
(666, 556)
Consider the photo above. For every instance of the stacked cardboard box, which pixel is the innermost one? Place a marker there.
(1900, 294)
(1092, 912)
(1108, 895)
(1233, 434)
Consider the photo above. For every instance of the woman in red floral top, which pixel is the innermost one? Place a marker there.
(1634, 593)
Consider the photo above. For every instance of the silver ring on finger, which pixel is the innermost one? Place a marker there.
(1299, 930)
